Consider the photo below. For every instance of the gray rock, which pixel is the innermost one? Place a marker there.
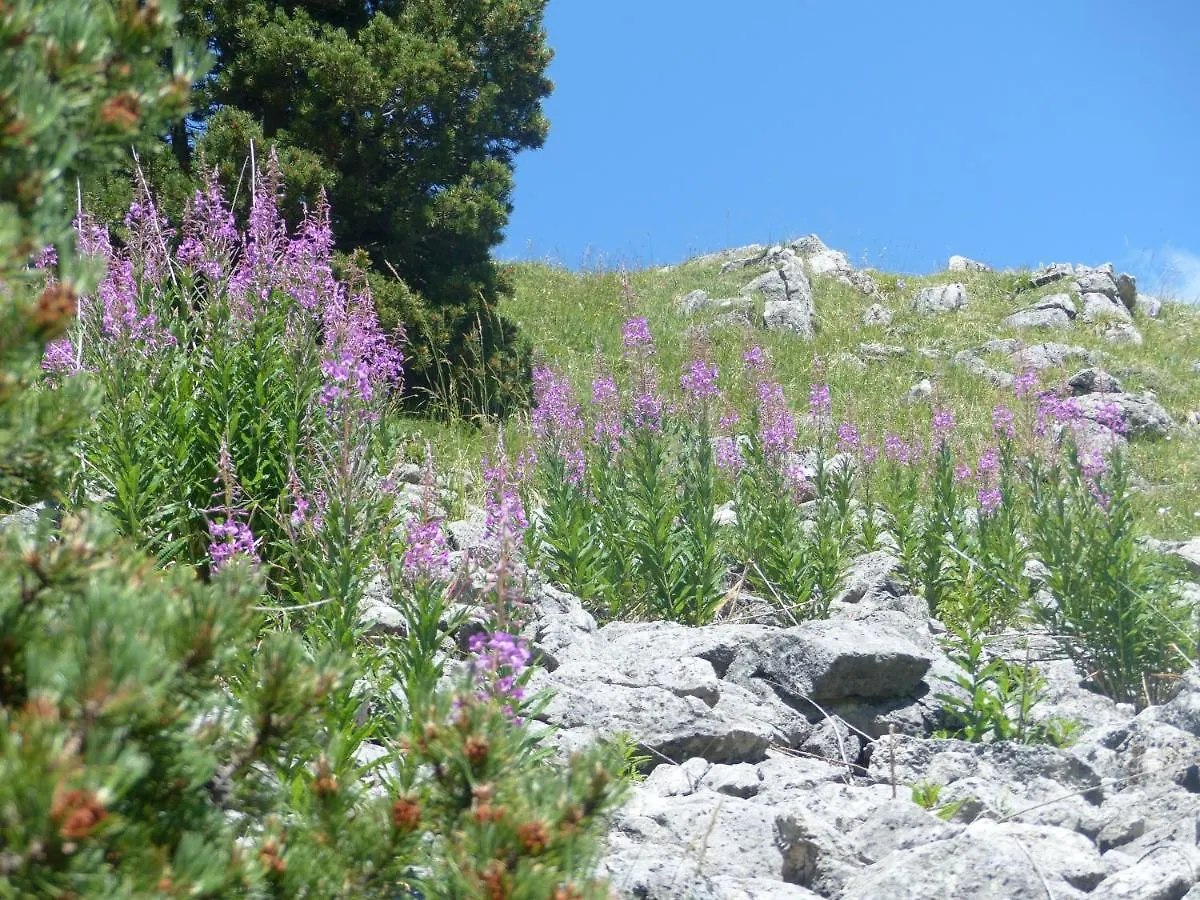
(1094, 380)
(1049, 356)
(692, 302)
(1141, 414)
(878, 352)
(1123, 334)
(828, 662)
(940, 299)
(1163, 876)
(861, 282)
(24, 521)
(1052, 273)
(829, 263)
(1183, 710)
(788, 296)
(1002, 779)
(467, 534)
(963, 264)
(1038, 318)
(1097, 281)
(725, 255)
(919, 392)
(1127, 290)
(1100, 308)
(972, 865)
(1190, 554)
(1054, 311)
(869, 576)
(809, 245)
(877, 315)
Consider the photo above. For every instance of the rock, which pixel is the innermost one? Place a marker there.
(1052, 273)
(940, 299)
(1053, 311)
(1049, 356)
(877, 315)
(1190, 554)
(467, 534)
(861, 282)
(829, 263)
(1123, 334)
(868, 576)
(1183, 710)
(1094, 380)
(919, 392)
(1141, 414)
(962, 264)
(692, 302)
(1127, 290)
(1097, 281)
(879, 352)
(972, 865)
(832, 661)
(1163, 876)
(809, 245)
(24, 521)
(788, 295)
(1100, 308)
(1003, 779)
(901, 825)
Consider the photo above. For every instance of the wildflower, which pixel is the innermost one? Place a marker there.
(699, 381)
(756, 360)
(229, 539)
(848, 438)
(728, 454)
(896, 450)
(1026, 383)
(776, 425)
(1111, 416)
(1002, 422)
(557, 420)
(505, 513)
(210, 236)
(59, 357)
(648, 410)
(962, 472)
(820, 407)
(636, 338)
(500, 658)
(943, 423)
(46, 259)
(149, 235)
(427, 555)
(989, 463)
(990, 500)
(607, 430)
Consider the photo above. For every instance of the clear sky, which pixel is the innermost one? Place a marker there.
(1016, 132)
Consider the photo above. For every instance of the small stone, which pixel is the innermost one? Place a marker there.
(919, 392)
(877, 315)
(1123, 334)
(940, 299)
(963, 264)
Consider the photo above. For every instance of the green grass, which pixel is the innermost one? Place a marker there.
(573, 316)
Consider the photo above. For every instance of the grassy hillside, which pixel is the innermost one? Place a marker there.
(571, 316)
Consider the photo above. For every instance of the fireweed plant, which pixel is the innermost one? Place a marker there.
(624, 488)
(230, 688)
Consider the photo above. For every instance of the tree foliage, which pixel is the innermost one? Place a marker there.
(410, 115)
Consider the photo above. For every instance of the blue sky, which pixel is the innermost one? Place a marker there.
(1015, 132)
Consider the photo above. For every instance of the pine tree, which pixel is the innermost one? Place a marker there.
(410, 115)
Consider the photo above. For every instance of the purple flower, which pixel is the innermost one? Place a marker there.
(636, 338)
(558, 421)
(210, 236)
(848, 438)
(943, 423)
(648, 410)
(1002, 422)
(989, 464)
(505, 518)
(500, 658)
(149, 236)
(608, 429)
(1026, 383)
(897, 450)
(229, 539)
(59, 357)
(756, 360)
(699, 381)
(1111, 416)
(990, 500)
(820, 406)
(46, 259)
(1053, 409)
(427, 555)
(728, 454)
(776, 424)
(962, 472)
